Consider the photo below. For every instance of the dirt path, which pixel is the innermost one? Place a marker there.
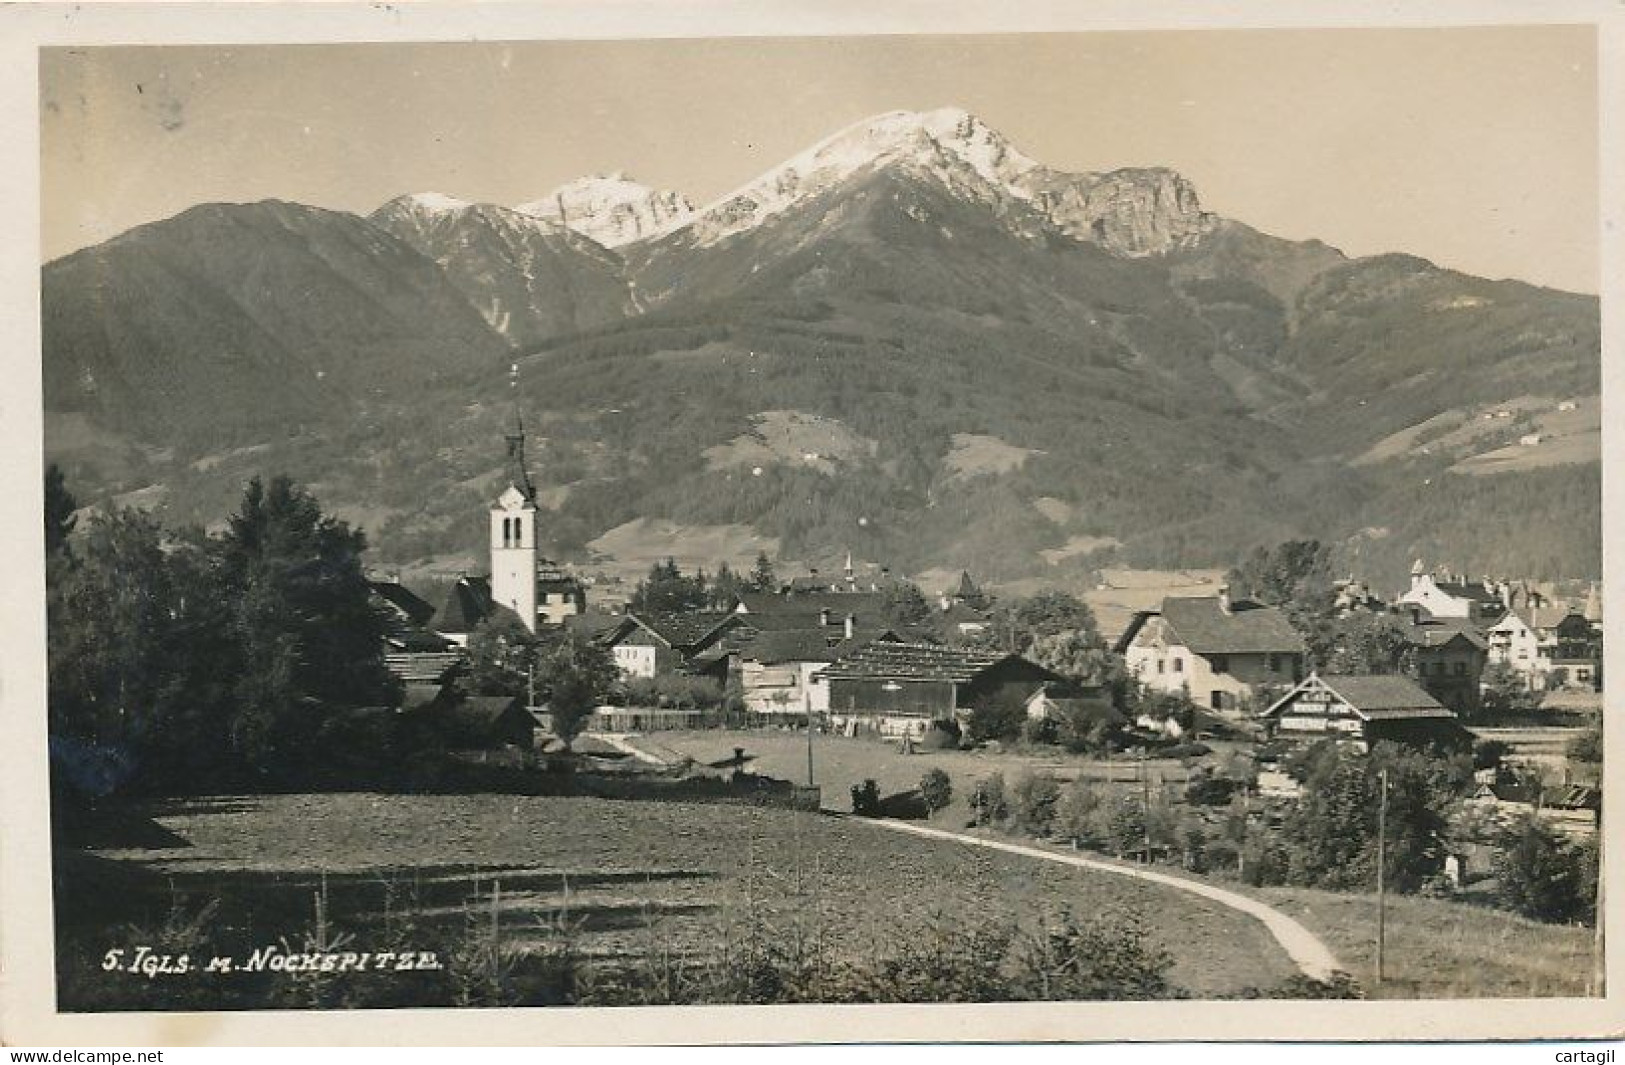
(1308, 953)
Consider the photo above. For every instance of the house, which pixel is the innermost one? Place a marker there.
(1363, 710)
(1525, 640)
(1220, 653)
(779, 670)
(1449, 656)
(899, 688)
(412, 652)
(469, 722)
(811, 603)
(1574, 645)
(1482, 602)
(468, 603)
(1058, 702)
(652, 645)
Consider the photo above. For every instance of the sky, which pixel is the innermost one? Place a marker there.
(1473, 147)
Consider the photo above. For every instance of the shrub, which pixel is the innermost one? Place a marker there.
(1586, 747)
(1076, 812)
(1032, 802)
(1489, 754)
(1209, 790)
(1000, 718)
(941, 735)
(866, 799)
(1541, 875)
(936, 789)
(988, 800)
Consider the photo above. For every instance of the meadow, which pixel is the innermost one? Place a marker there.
(405, 872)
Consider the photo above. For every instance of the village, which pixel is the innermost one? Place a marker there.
(1501, 669)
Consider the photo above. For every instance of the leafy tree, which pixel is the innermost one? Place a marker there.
(1075, 654)
(1015, 626)
(1000, 716)
(1297, 574)
(903, 604)
(988, 800)
(573, 676)
(1504, 689)
(501, 656)
(1033, 798)
(1330, 833)
(1364, 643)
(1587, 746)
(1077, 811)
(936, 789)
(1541, 875)
(59, 508)
(1489, 754)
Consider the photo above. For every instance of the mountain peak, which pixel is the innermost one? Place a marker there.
(612, 208)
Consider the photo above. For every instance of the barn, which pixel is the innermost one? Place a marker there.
(899, 688)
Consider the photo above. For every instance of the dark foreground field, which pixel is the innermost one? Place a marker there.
(615, 879)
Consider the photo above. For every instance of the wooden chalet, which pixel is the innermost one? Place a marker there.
(1363, 709)
(899, 688)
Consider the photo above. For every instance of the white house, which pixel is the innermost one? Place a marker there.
(1218, 652)
(1482, 602)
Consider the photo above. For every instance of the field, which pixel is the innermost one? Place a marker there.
(840, 762)
(622, 871)
(1440, 949)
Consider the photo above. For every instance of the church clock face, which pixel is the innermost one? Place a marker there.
(511, 499)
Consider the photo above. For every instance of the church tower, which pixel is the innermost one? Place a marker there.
(513, 529)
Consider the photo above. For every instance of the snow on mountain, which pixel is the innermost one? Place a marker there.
(1129, 212)
(612, 209)
(948, 144)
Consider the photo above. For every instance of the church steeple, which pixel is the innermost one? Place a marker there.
(518, 474)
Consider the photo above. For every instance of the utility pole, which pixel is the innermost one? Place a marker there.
(1599, 957)
(807, 702)
(1382, 868)
(1145, 806)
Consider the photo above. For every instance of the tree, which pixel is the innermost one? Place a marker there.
(59, 511)
(1363, 643)
(310, 637)
(936, 789)
(140, 653)
(501, 656)
(1077, 811)
(1016, 626)
(1586, 747)
(1541, 875)
(1075, 654)
(1297, 573)
(572, 677)
(1033, 798)
(988, 800)
(1330, 833)
(725, 588)
(997, 717)
(1504, 689)
(762, 577)
(667, 590)
(903, 604)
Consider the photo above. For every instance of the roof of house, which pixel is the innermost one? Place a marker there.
(1439, 632)
(1473, 590)
(468, 602)
(807, 645)
(592, 624)
(397, 595)
(917, 662)
(676, 631)
(1374, 696)
(1385, 696)
(1202, 625)
(479, 712)
(871, 604)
